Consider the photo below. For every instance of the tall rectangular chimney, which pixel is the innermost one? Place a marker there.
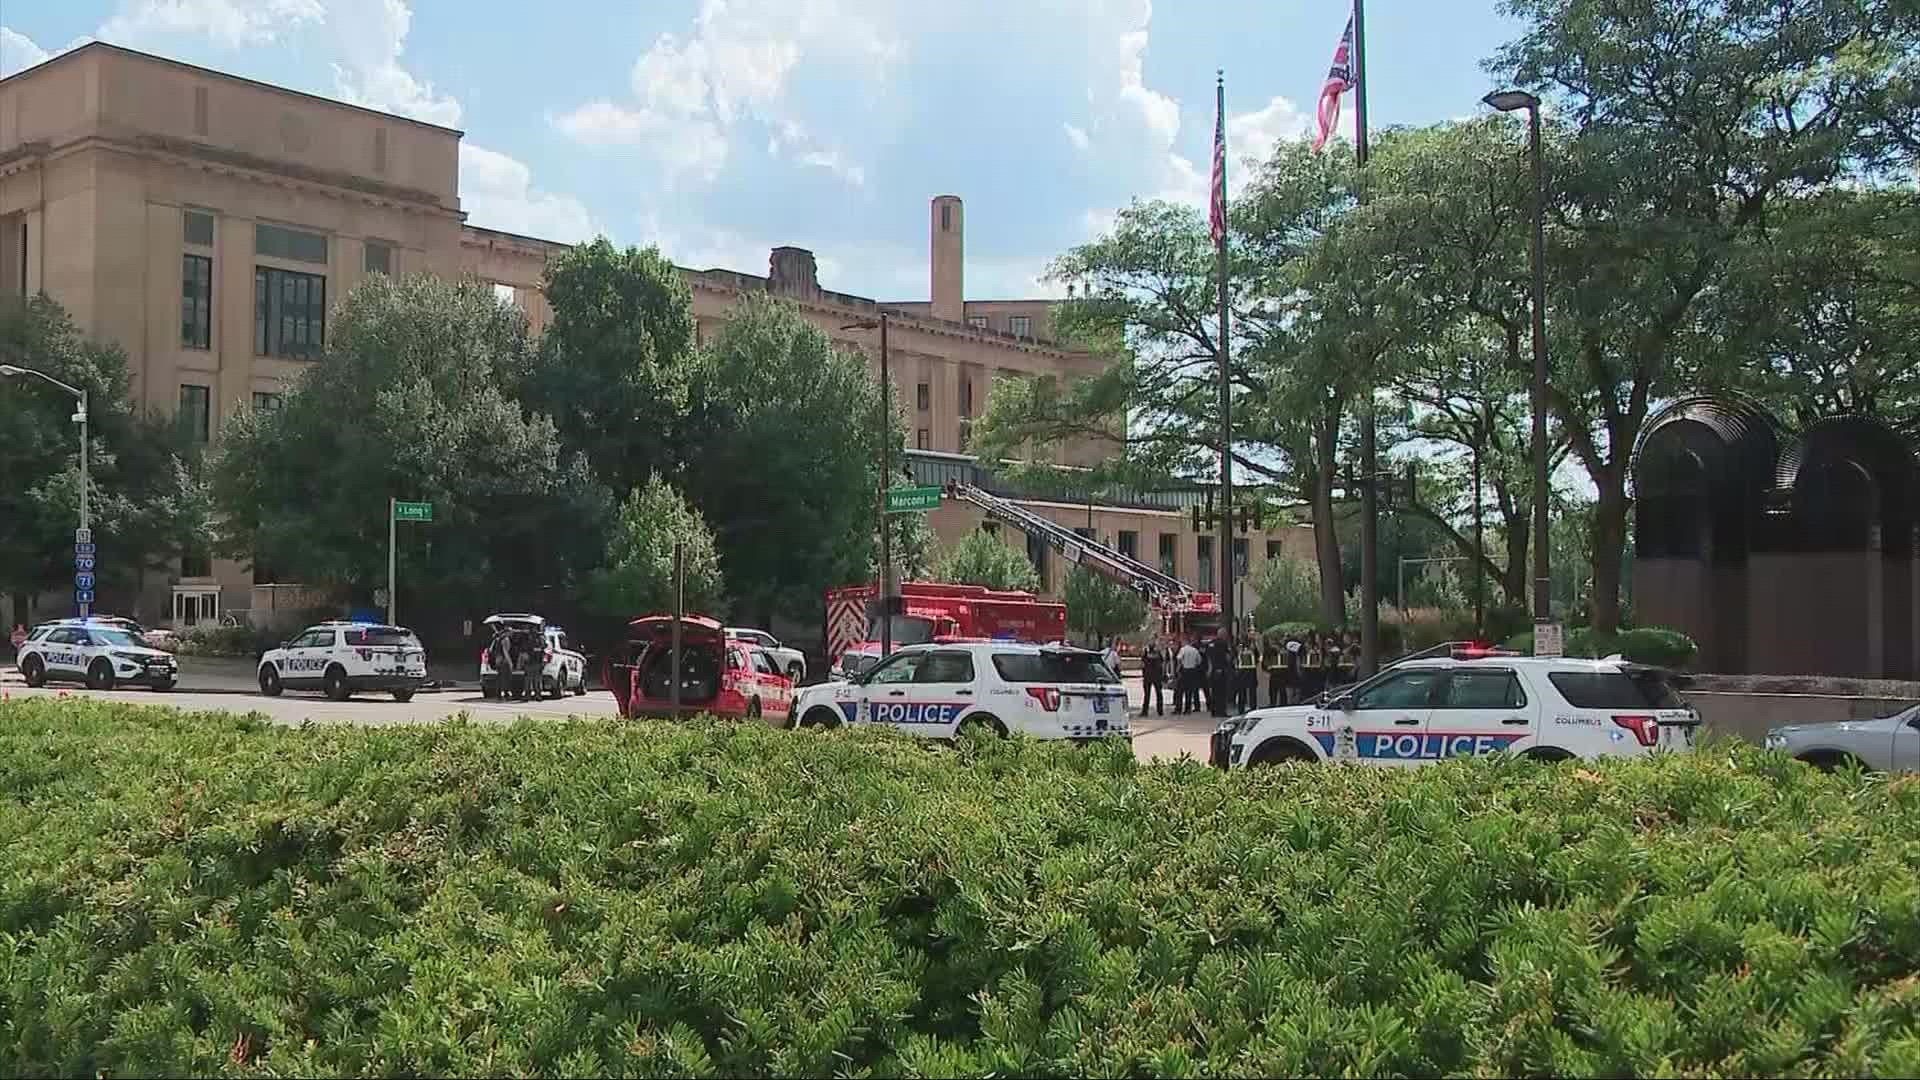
(949, 291)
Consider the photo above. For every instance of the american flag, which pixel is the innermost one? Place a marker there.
(1339, 80)
(1217, 210)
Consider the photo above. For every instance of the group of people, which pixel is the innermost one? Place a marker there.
(1224, 673)
(518, 658)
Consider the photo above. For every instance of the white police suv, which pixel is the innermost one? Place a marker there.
(1421, 711)
(99, 654)
(936, 690)
(343, 657)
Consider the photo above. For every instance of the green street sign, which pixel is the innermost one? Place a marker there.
(912, 500)
(407, 511)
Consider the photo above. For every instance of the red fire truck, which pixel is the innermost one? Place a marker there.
(934, 611)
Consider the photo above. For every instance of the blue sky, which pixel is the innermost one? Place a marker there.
(719, 129)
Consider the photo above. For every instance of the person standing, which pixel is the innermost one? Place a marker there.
(1219, 676)
(1310, 685)
(1331, 650)
(1246, 675)
(1186, 686)
(1153, 679)
(1273, 657)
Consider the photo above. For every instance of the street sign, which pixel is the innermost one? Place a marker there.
(83, 536)
(83, 580)
(83, 549)
(1547, 639)
(412, 511)
(83, 562)
(83, 596)
(912, 500)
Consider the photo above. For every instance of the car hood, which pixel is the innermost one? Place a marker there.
(141, 651)
(1285, 713)
(1885, 725)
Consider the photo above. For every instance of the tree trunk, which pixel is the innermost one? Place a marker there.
(1514, 581)
(1608, 535)
(1326, 535)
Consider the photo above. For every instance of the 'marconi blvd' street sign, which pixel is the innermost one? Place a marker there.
(911, 500)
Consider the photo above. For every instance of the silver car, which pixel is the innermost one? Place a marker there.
(1886, 744)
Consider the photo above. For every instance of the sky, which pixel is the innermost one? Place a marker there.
(720, 129)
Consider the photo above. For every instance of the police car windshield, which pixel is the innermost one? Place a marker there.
(118, 639)
(1052, 667)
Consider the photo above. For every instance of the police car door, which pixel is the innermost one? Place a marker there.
(1388, 720)
(307, 659)
(884, 694)
(941, 690)
(1479, 711)
(62, 654)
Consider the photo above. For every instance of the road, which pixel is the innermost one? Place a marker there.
(1154, 737)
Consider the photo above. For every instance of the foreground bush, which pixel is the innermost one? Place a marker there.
(1647, 645)
(205, 895)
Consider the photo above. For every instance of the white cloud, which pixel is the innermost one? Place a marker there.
(231, 24)
(497, 192)
(698, 92)
(1252, 135)
(1076, 135)
(369, 36)
(18, 52)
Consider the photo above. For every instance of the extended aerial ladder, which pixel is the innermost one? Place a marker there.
(1164, 592)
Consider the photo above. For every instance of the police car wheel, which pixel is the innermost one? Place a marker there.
(403, 696)
(984, 726)
(270, 680)
(34, 670)
(100, 676)
(1278, 752)
(554, 689)
(163, 685)
(1547, 755)
(821, 717)
(336, 685)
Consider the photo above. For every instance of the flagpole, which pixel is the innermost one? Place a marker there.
(1369, 439)
(1225, 554)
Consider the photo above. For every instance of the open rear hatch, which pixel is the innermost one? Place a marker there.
(644, 663)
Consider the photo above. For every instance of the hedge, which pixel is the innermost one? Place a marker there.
(1644, 645)
(207, 895)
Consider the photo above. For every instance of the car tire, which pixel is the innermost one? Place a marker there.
(489, 692)
(163, 686)
(820, 717)
(403, 696)
(34, 670)
(984, 724)
(556, 689)
(1547, 755)
(1831, 760)
(335, 684)
(1279, 752)
(100, 675)
(270, 680)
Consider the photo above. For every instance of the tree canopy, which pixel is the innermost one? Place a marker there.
(981, 558)
(638, 576)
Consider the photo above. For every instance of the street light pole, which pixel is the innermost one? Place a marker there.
(1511, 101)
(80, 418)
(887, 587)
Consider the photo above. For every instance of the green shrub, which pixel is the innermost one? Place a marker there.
(210, 640)
(1657, 645)
(207, 895)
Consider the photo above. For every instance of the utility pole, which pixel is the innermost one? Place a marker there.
(679, 612)
(889, 589)
(1228, 612)
(393, 544)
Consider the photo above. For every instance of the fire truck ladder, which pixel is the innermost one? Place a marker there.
(1162, 590)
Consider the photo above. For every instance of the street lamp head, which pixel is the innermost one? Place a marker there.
(9, 369)
(1512, 100)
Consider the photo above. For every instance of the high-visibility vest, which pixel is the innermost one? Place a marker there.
(1244, 661)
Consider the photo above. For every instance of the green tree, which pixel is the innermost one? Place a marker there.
(1688, 124)
(789, 493)
(1286, 591)
(638, 576)
(412, 401)
(614, 364)
(979, 558)
(147, 497)
(1101, 607)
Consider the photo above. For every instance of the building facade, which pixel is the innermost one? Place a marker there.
(208, 223)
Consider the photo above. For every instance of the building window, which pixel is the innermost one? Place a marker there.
(966, 435)
(195, 563)
(196, 301)
(923, 396)
(1239, 557)
(1130, 543)
(278, 242)
(921, 439)
(379, 257)
(380, 150)
(1273, 550)
(198, 227)
(1019, 325)
(1170, 554)
(978, 322)
(199, 110)
(966, 397)
(196, 412)
(946, 217)
(1037, 555)
(265, 402)
(504, 294)
(289, 313)
(1205, 551)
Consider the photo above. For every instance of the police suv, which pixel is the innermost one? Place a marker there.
(936, 690)
(343, 657)
(1421, 711)
(100, 654)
